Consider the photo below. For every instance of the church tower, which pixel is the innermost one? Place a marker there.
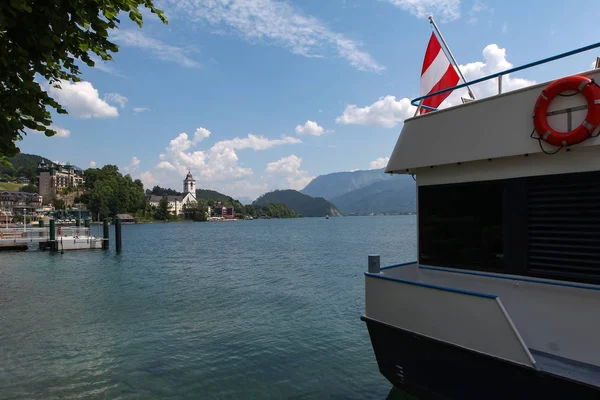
(189, 184)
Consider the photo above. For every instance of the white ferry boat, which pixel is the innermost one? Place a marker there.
(504, 300)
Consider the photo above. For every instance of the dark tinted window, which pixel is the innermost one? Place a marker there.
(461, 225)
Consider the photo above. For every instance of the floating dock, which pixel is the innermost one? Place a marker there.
(59, 238)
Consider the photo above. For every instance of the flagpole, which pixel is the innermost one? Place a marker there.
(452, 59)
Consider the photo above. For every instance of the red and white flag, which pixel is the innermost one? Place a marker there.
(437, 74)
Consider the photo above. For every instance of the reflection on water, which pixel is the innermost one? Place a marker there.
(247, 309)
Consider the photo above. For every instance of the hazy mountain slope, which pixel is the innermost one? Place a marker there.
(335, 184)
(394, 195)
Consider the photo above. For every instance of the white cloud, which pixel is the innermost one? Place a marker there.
(289, 167)
(166, 165)
(278, 23)
(253, 142)
(60, 132)
(148, 179)
(494, 61)
(200, 134)
(81, 99)
(138, 110)
(310, 128)
(381, 162)
(133, 165)
(180, 143)
(286, 165)
(116, 98)
(92, 164)
(448, 10)
(217, 167)
(478, 8)
(162, 51)
(385, 112)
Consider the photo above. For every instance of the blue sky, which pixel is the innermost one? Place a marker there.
(273, 93)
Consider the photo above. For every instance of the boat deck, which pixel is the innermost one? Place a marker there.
(526, 320)
(571, 369)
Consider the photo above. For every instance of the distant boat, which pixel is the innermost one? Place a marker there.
(327, 217)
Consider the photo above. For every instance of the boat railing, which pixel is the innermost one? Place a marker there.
(418, 102)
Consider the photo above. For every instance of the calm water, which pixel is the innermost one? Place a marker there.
(246, 309)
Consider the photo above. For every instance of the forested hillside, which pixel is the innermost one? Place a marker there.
(301, 203)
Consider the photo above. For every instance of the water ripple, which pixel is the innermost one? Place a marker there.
(252, 309)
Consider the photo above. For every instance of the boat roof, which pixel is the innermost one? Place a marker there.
(494, 127)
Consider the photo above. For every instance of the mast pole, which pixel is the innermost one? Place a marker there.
(452, 59)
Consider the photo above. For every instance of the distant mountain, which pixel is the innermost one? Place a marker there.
(245, 200)
(22, 165)
(299, 202)
(339, 183)
(27, 160)
(394, 195)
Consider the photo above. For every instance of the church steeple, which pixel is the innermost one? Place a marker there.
(189, 184)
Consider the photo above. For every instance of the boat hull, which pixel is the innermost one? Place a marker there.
(431, 369)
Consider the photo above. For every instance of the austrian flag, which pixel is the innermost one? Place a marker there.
(437, 74)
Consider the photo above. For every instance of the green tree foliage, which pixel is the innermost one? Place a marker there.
(299, 202)
(195, 211)
(111, 193)
(21, 165)
(29, 188)
(44, 39)
(19, 218)
(159, 191)
(270, 210)
(249, 210)
(207, 194)
(145, 213)
(58, 204)
(162, 211)
(212, 197)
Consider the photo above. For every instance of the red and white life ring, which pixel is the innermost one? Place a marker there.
(589, 90)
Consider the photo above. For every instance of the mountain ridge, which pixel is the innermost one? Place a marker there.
(397, 195)
(335, 184)
(365, 191)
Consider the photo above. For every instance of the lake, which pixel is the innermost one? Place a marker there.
(244, 309)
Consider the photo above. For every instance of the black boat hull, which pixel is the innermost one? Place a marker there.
(431, 369)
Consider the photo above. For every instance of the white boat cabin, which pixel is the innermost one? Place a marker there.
(508, 235)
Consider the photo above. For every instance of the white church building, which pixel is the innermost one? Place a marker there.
(176, 203)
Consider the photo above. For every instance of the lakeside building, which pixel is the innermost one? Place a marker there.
(54, 177)
(19, 203)
(220, 210)
(176, 203)
(126, 219)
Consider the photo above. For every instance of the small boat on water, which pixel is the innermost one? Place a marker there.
(504, 299)
(327, 217)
